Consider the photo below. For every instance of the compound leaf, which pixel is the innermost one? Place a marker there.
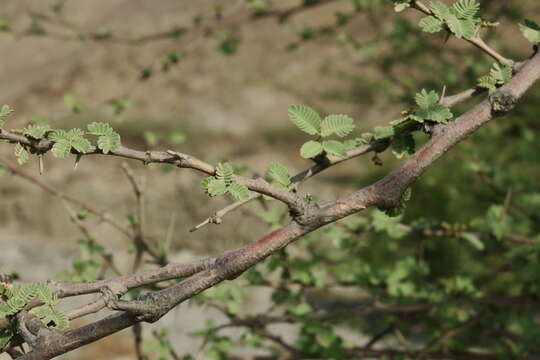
(403, 145)
(61, 148)
(431, 24)
(334, 147)
(501, 74)
(108, 142)
(36, 131)
(99, 129)
(461, 28)
(440, 113)
(5, 110)
(466, 9)
(279, 173)
(58, 135)
(487, 82)
(381, 132)
(239, 191)
(311, 149)
(340, 124)
(426, 99)
(305, 118)
(205, 182)
(81, 144)
(440, 10)
(225, 172)
(216, 187)
(22, 154)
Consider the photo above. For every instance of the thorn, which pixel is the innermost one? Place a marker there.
(41, 167)
(77, 159)
(443, 94)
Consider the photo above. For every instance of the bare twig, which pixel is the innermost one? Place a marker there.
(102, 215)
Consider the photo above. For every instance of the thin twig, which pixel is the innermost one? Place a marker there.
(102, 215)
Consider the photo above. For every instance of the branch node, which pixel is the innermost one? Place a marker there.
(148, 157)
(215, 219)
(112, 293)
(502, 101)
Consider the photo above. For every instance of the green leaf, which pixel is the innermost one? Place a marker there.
(45, 294)
(5, 110)
(382, 132)
(305, 118)
(151, 138)
(340, 124)
(466, 9)
(108, 139)
(426, 99)
(279, 173)
(61, 148)
(390, 225)
(431, 24)
(36, 131)
(530, 30)
(439, 113)
(108, 143)
(501, 74)
(58, 135)
(473, 240)
(48, 316)
(225, 172)
(311, 149)
(72, 104)
(334, 147)
(99, 129)
(120, 105)
(81, 144)
(205, 182)
(401, 5)
(216, 187)
(351, 143)
(497, 220)
(239, 191)
(300, 309)
(403, 145)
(440, 10)
(461, 28)
(21, 154)
(487, 82)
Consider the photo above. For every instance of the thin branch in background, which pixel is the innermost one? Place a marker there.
(170, 233)
(107, 257)
(139, 240)
(102, 215)
(137, 338)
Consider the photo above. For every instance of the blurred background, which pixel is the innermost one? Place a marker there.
(214, 79)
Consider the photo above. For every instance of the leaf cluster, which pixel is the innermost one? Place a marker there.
(66, 142)
(429, 111)
(4, 111)
(460, 19)
(223, 182)
(498, 75)
(310, 122)
(13, 298)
